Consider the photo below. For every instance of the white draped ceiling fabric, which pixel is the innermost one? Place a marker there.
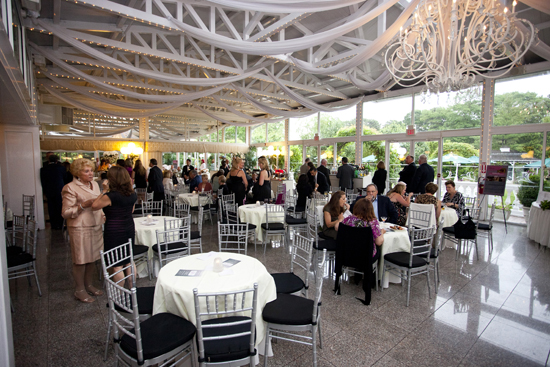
(276, 60)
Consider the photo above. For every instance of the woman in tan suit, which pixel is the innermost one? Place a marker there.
(84, 227)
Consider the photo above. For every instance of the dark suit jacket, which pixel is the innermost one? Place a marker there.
(385, 208)
(155, 183)
(185, 170)
(379, 179)
(324, 170)
(423, 175)
(51, 177)
(321, 180)
(345, 174)
(194, 183)
(407, 174)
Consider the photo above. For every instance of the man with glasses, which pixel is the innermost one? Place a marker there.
(383, 207)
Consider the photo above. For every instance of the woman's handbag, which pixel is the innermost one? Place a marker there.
(465, 230)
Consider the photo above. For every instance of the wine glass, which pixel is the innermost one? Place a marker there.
(384, 219)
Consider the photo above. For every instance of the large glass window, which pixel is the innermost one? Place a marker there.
(327, 152)
(387, 116)
(258, 134)
(241, 135)
(522, 100)
(295, 160)
(346, 150)
(230, 134)
(546, 172)
(338, 124)
(276, 131)
(311, 153)
(398, 152)
(302, 128)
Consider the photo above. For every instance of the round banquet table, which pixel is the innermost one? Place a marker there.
(146, 234)
(450, 217)
(193, 199)
(395, 241)
(174, 294)
(539, 225)
(254, 214)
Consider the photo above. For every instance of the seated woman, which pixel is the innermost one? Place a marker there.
(453, 198)
(304, 190)
(363, 216)
(400, 202)
(429, 198)
(333, 213)
(167, 180)
(205, 185)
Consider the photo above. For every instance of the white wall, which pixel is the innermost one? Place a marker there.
(20, 163)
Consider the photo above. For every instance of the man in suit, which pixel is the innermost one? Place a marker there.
(383, 207)
(345, 174)
(407, 174)
(186, 169)
(51, 177)
(423, 175)
(304, 169)
(194, 181)
(154, 181)
(317, 178)
(324, 170)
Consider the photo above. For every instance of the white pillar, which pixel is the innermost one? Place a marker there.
(287, 147)
(359, 133)
(486, 125)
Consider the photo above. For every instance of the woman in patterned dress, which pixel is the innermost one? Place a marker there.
(401, 203)
(453, 198)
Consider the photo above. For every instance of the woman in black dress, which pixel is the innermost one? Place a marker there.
(139, 175)
(117, 202)
(264, 181)
(379, 178)
(304, 190)
(237, 182)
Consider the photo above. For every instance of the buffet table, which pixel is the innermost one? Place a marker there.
(539, 225)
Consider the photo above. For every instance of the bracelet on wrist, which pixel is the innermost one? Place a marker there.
(81, 207)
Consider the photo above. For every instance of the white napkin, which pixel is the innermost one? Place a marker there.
(149, 224)
(226, 272)
(206, 256)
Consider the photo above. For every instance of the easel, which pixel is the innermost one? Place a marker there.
(503, 210)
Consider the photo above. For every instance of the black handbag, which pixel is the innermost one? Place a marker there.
(465, 230)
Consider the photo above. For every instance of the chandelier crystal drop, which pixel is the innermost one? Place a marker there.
(449, 42)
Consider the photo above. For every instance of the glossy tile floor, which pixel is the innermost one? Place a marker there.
(491, 312)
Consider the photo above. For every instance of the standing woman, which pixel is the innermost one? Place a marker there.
(84, 226)
(139, 175)
(128, 165)
(117, 202)
(264, 181)
(379, 178)
(237, 182)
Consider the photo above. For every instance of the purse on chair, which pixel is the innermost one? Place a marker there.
(465, 230)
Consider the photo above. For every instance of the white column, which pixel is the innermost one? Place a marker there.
(287, 147)
(486, 125)
(542, 165)
(358, 133)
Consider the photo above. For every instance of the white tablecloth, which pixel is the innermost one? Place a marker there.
(174, 294)
(254, 214)
(539, 225)
(147, 235)
(450, 217)
(393, 242)
(193, 199)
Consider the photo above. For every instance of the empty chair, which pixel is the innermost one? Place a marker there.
(435, 252)
(469, 203)
(233, 237)
(195, 236)
(232, 217)
(141, 197)
(294, 222)
(28, 206)
(334, 188)
(300, 261)
(421, 215)
(150, 342)
(151, 207)
(181, 210)
(415, 262)
(173, 244)
(485, 229)
(204, 201)
(290, 316)
(350, 191)
(109, 260)
(320, 244)
(274, 222)
(23, 263)
(169, 202)
(17, 235)
(226, 327)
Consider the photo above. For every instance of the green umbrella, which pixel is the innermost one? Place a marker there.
(455, 159)
(536, 164)
(370, 158)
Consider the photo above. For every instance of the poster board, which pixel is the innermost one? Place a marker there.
(495, 180)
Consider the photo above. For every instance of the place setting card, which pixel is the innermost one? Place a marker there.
(189, 273)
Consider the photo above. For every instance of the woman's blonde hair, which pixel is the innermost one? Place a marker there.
(167, 174)
(262, 162)
(398, 188)
(235, 163)
(79, 164)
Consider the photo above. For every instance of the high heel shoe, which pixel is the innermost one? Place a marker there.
(87, 299)
(93, 291)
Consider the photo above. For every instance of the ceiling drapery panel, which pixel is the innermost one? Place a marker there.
(221, 62)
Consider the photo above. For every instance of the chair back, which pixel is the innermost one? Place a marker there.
(169, 198)
(421, 242)
(350, 191)
(351, 198)
(438, 242)
(141, 195)
(469, 202)
(19, 230)
(233, 237)
(28, 206)
(334, 188)
(125, 299)
(302, 248)
(176, 223)
(151, 207)
(174, 243)
(31, 238)
(181, 210)
(274, 213)
(235, 315)
(149, 196)
(319, 287)
(231, 213)
(421, 215)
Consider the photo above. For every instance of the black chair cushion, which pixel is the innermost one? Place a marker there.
(160, 334)
(195, 235)
(139, 249)
(194, 208)
(287, 282)
(274, 226)
(402, 259)
(484, 227)
(172, 246)
(291, 220)
(329, 245)
(145, 297)
(13, 250)
(251, 226)
(449, 230)
(19, 259)
(288, 309)
(226, 349)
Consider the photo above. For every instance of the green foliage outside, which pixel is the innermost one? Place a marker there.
(529, 190)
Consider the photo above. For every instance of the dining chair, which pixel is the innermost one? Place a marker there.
(334, 189)
(22, 263)
(152, 207)
(149, 196)
(181, 210)
(274, 222)
(226, 327)
(435, 252)
(28, 206)
(196, 236)
(320, 243)
(141, 197)
(350, 192)
(141, 194)
(204, 202)
(405, 265)
(290, 316)
(469, 202)
(231, 213)
(149, 342)
(172, 244)
(421, 215)
(300, 261)
(485, 229)
(449, 234)
(169, 202)
(294, 222)
(350, 198)
(225, 200)
(17, 235)
(109, 260)
(233, 237)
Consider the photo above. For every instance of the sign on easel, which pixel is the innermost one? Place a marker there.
(495, 180)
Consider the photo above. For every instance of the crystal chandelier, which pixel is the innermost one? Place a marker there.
(450, 41)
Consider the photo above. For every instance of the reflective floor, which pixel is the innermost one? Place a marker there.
(491, 312)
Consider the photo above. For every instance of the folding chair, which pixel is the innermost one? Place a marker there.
(28, 206)
(231, 214)
(169, 202)
(421, 215)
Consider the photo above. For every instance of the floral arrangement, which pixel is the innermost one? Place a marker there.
(111, 156)
(545, 204)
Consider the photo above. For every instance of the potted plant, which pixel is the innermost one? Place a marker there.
(501, 204)
(527, 193)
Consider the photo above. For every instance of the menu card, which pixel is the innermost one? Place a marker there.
(230, 262)
(189, 273)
